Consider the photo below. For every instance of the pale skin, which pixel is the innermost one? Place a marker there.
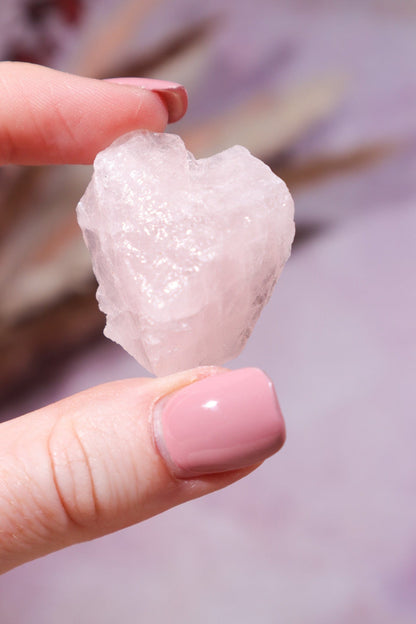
(87, 465)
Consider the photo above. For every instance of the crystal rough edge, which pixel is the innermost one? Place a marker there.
(186, 252)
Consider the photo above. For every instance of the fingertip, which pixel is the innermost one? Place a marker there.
(221, 423)
(173, 95)
(50, 117)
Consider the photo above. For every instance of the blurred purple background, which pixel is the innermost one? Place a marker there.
(325, 531)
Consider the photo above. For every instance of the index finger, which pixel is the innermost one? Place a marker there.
(48, 116)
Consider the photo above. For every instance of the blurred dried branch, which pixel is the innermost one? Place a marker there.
(100, 45)
(180, 58)
(267, 123)
(32, 347)
(300, 174)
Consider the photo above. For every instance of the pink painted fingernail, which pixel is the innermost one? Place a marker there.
(220, 423)
(174, 95)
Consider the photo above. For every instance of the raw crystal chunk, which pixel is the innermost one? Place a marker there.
(186, 251)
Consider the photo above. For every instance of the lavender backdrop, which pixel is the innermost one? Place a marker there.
(325, 531)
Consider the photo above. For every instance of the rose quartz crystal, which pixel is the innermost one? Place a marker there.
(186, 252)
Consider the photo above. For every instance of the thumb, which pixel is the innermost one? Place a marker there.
(119, 453)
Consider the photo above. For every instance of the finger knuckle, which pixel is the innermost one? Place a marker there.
(72, 473)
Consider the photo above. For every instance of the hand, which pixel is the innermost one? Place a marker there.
(119, 453)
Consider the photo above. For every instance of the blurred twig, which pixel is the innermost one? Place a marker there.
(267, 123)
(100, 45)
(318, 169)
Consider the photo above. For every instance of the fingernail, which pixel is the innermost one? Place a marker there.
(174, 95)
(220, 423)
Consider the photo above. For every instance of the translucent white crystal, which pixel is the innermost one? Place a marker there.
(186, 252)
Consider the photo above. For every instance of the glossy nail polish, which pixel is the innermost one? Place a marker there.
(220, 423)
(173, 94)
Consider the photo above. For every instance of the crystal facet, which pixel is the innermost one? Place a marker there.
(186, 252)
